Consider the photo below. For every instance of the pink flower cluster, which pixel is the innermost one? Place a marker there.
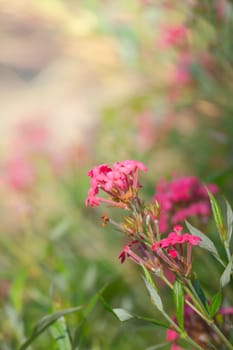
(181, 199)
(118, 182)
(176, 238)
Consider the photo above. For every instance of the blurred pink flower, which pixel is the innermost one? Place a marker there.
(171, 335)
(181, 74)
(181, 199)
(19, 174)
(172, 35)
(146, 131)
(32, 136)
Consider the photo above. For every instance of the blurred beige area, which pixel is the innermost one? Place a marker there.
(56, 67)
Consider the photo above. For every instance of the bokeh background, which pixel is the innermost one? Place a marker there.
(89, 82)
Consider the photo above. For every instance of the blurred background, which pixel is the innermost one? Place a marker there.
(90, 82)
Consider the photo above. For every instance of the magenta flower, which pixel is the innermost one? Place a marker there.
(120, 182)
(181, 199)
(171, 253)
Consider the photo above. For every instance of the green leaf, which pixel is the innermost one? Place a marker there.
(155, 298)
(218, 218)
(107, 306)
(199, 292)
(122, 314)
(46, 322)
(215, 304)
(17, 289)
(91, 304)
(178, 295)
(87, 310)
(148, 276)
(205, 242)
(60, 334)
(226, 276)
(229, 222)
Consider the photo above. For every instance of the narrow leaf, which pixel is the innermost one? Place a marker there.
(60, 334)
(91, 304)
(229, 221)
(226, 276)
(218, 218)
(205, 242)
(87, 310)
(107, 306)
(178, 295)
(46, 322)
(153, 321)
(215, 304)
(155, 298)
(199, 292)
(148, 277)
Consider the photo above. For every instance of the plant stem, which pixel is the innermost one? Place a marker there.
(186, 301)
(221, 336)
(183, 334)
(206, 319)
(226, 246)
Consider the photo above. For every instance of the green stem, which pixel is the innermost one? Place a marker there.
(221, 336)
(186, 301)
(183, 334)
(226, 246)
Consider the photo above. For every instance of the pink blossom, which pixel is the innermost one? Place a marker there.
(171, 335)
(172, 253)
(19, 174)
(181, 73)
(172, 35)
(117, 182)
(226, 311)
(181, 199)
(174, 238)
(123, 254)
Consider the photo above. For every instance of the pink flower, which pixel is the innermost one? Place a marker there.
(172, 253)
(181, 199)
(19, 174)
(120, 182)
(174, 238)
(171, 335)
(172, 35)
(123, 254)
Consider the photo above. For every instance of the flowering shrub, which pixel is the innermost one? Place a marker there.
(199, 322)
